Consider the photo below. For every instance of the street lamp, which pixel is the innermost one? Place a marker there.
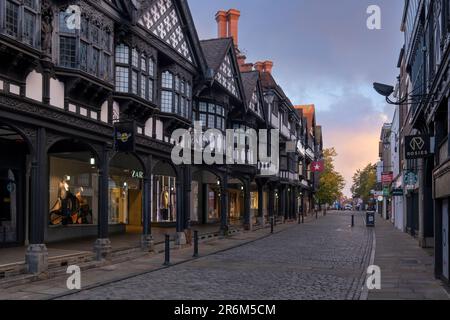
(410, 98)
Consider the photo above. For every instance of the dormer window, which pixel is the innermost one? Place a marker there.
(87, 48)
(134, 72)
(176, 94)
(20, 20)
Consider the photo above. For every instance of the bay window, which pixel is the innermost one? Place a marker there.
(176, 94)
(211, 115)
(134, 72)
(87, 48)
(19, 20)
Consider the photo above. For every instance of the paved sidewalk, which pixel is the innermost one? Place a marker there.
(50, 288)
(406, 269)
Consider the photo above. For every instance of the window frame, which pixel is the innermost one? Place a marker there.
(85, 35)
(126, 61)
(22, 9)
(181, 90)
(198, 114)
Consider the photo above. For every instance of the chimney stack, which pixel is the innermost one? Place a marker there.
(246, 67)
(222, 24)
(265, 66)
(233, 25)
(268, 66)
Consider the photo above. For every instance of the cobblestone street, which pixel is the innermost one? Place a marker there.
(324, 259)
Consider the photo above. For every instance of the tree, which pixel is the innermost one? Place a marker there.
(364, 181)
(331, 182)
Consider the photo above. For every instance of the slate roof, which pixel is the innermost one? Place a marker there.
(214, 51)
(249, 79)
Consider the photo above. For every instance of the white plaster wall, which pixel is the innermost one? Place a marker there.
(104, 112)
(148, 127)
(159, 130)
(33, 88)
(56, 93)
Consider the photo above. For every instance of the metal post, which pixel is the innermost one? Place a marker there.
(167, 251)
(353, 220)
(271, 224)
(195, 244)
(316, 214)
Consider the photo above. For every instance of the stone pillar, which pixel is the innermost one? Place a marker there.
(282, 212)
(181, 236)
(248, 224)
(36, 257)
(147, 243)
(224, 206)
(260, 204)
(102, 246)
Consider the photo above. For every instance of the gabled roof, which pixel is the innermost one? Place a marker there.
(309, 112)
(249, 81)
(215, 51)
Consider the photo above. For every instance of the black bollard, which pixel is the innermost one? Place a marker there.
(271, 224)
(353, 220)
(167, 251)
(195, 244)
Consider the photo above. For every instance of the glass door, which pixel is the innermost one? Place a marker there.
(9, 193)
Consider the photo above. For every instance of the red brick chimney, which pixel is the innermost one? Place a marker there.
(259, 66)
(233, 25)
(246, 67)
(222, 24)
(268, 66)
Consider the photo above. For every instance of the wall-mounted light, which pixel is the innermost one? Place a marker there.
(218, 182)
(67, 178)
(242, 187)
(92, 161)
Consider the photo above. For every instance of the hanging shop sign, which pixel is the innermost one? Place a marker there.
(397, 192)
(124, 136)
(410, 178)
(386, 192)
(387, 177)
(417, 147)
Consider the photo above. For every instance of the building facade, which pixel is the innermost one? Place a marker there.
(90, 96)
(423, 112)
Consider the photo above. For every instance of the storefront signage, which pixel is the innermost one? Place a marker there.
(417, 147)
(124, 136)
(137, 174)
(386, 192)
(410, 178)
(397, 192)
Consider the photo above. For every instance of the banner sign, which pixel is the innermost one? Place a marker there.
(417, 147)
(387, 177)
(124, 136)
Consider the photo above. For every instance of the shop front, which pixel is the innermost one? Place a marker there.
(125, 193)
(164, 195)
(12, 187)
(205, 197)
(73, 191)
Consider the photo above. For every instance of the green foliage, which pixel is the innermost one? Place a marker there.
(364, 181)
(331, 182)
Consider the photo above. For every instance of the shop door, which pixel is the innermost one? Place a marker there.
(135, 208)
(10, 208)
(445, 239)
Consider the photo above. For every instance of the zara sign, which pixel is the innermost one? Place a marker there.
(417, 147)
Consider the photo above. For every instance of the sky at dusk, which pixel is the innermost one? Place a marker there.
(324, 54)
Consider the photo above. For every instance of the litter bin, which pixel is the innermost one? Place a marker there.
(370, 218)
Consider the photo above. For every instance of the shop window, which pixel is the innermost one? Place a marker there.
(87, 48)
(125, 191)
(73, 183)
(164, 195)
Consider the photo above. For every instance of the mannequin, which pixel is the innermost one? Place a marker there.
(165, 203)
